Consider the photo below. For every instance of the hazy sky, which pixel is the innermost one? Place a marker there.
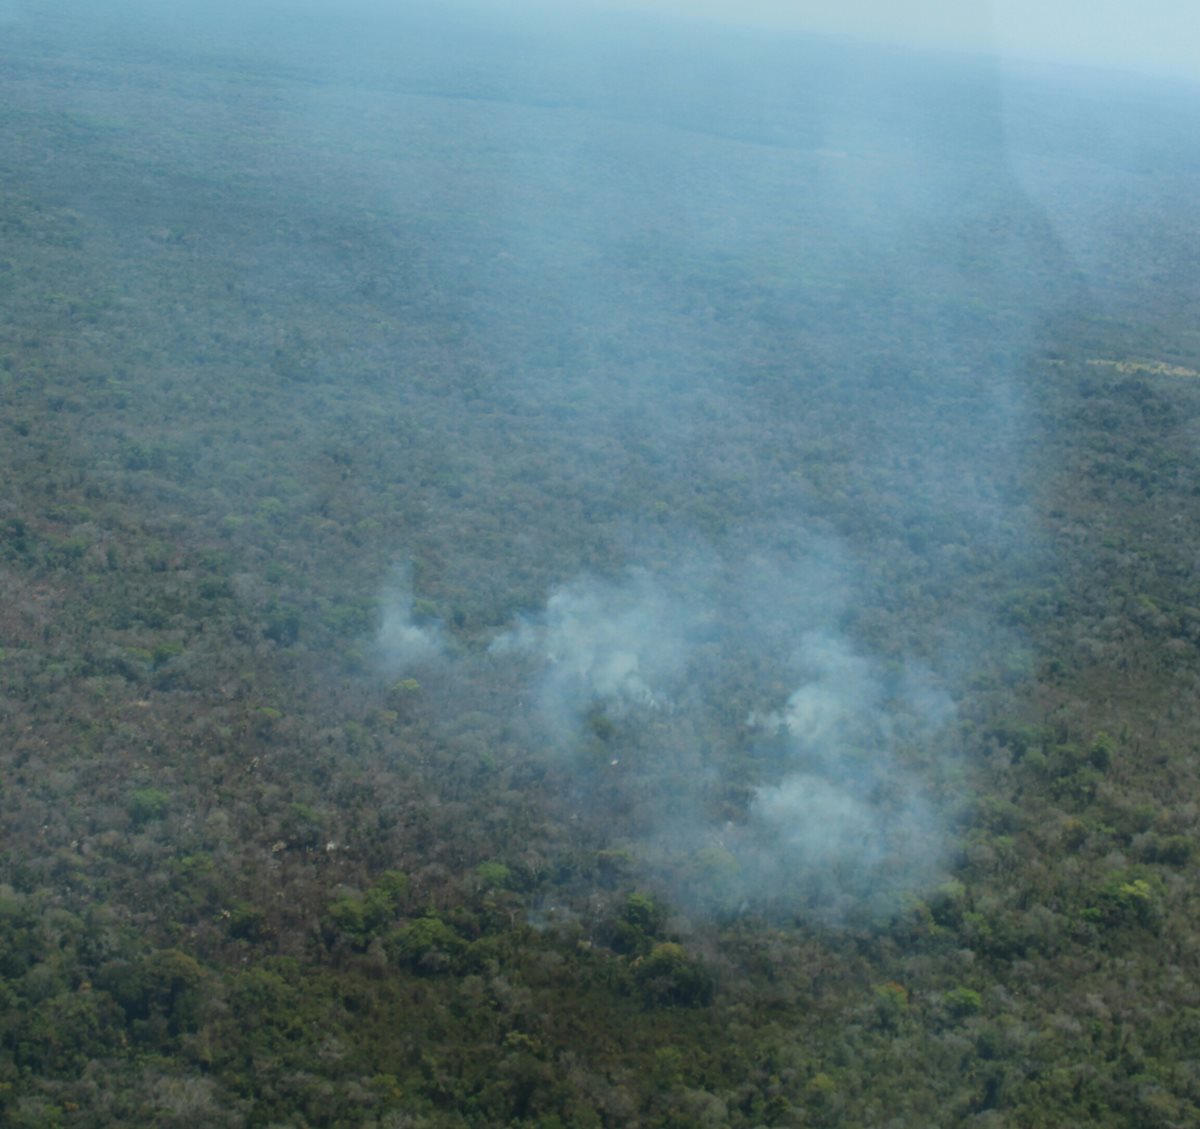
(1143, 35)
(1138, 35)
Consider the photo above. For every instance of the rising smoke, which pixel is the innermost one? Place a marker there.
(849, 817)
(402, 644)
(618, 646)
(761, 351)
(815, 800)
(551, 282)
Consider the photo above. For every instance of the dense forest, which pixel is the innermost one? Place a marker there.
(575, 573)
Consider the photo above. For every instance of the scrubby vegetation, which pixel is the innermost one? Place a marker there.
(273, 328)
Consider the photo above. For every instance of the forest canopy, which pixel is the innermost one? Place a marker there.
(630, 580)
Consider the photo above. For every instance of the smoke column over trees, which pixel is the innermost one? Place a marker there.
(688, 367)
(760, 317)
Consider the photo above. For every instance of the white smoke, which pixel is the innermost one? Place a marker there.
(619, 646)
(849, 820)
(840, 700)
(838, 822)
(402, 644)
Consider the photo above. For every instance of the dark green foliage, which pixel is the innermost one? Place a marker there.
(147, 805)
(1127, 899)
(668, 975)
(427, 945)
(1171, 850)
(494, 875)
(361, 918)
(963, 1002)
(247, 923)
(64, 1033)
(303, 827)
(634, 933)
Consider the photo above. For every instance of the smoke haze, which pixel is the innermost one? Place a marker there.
(402, 644)
(690, 370)
(629, 679)
(802, 304)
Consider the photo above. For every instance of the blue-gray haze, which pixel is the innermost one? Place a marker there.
(754, 308)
